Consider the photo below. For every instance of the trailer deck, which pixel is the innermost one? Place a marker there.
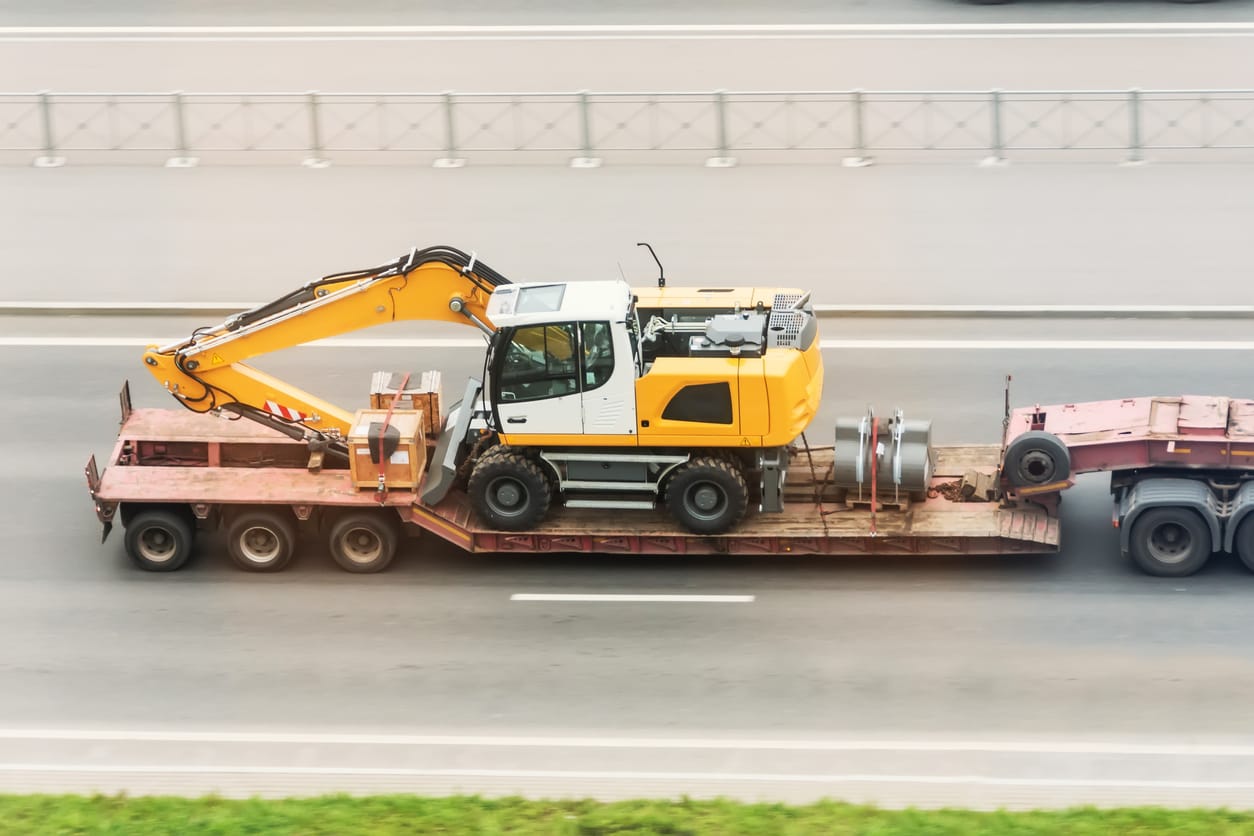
(176, 456)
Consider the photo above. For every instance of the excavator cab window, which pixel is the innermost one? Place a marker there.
(598, 353)
(538, 361)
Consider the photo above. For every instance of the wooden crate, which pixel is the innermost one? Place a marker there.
(404, 467)
(421, 392)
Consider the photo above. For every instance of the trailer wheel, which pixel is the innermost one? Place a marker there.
(1170, 542)
(159, 540)
(1036, 458)
(707, 495)
(363, 542)
(509, 490)
(262, 541)
(1245, 543)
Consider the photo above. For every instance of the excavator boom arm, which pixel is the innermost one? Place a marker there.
(208, 370)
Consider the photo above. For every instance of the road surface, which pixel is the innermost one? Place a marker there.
(983, 682)
(951, 233)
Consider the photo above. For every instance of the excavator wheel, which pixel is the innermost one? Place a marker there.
(707, 495)
(509, 490)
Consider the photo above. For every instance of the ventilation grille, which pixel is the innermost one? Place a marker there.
(783, 329)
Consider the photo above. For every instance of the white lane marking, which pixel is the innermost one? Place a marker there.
(1064, 747)
(624, 597)
(857, 345)
(624, 32)
(747, 777)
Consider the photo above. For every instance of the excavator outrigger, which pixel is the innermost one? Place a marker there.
(596, 395)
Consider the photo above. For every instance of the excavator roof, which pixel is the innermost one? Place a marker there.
(532, 303)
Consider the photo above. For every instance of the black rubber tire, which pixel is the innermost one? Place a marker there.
(263, 540)
(1243, 543)
(707, 495)
(364, 542)
(1170, 542)
(1036, 458)
(160, 540)
(509, 490)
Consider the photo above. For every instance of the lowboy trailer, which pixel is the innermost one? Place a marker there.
(1181, 482)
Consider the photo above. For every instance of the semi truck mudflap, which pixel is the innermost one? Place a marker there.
(104, 510)
(443, 470)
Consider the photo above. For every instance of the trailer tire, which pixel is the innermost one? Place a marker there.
(1036, 458)
(1170, 542)
(262, 540)
(363, 542)
(707, 495)
(1243, 543)
(509, 490)
(159, 539)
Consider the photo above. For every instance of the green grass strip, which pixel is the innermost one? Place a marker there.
(400, 814)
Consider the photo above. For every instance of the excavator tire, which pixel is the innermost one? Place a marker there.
(509, 490)
(708, 495)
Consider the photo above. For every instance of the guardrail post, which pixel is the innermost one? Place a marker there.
(859, 136)
(450, 158)
(1135, 156)
(586, 159)
(724, 158)
(49, 158)
(315, 159)
(996, 144)
(181, 158)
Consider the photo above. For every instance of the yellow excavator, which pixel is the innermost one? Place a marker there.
(595, 394)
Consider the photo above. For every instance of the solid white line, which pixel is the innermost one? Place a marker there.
(1078, 747)
(845, 345)
(614, 598)
(636, 775)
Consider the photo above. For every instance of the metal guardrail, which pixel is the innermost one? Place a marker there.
(450, 127)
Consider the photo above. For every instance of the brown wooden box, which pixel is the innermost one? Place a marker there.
(405, 466)
(422, 392)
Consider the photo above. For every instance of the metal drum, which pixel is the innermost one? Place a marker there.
(903, 454)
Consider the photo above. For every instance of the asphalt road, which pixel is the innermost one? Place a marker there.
(952, 233)
(392, 12)
(1020, 681)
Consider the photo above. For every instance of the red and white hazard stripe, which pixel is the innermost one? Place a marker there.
(284, 411)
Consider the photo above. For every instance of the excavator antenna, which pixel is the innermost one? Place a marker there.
(661, 274)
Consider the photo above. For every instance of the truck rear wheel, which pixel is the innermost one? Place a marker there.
(363, 542)
(262, 541)
(1244, 542)
(159, 540)
(1170, 542)
(509, 490)
(707, 495)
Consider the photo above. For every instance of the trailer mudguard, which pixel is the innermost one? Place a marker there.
(1168, 492)
(1242, 507)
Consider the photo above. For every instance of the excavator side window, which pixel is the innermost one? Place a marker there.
(598, 353)
(539, 362)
